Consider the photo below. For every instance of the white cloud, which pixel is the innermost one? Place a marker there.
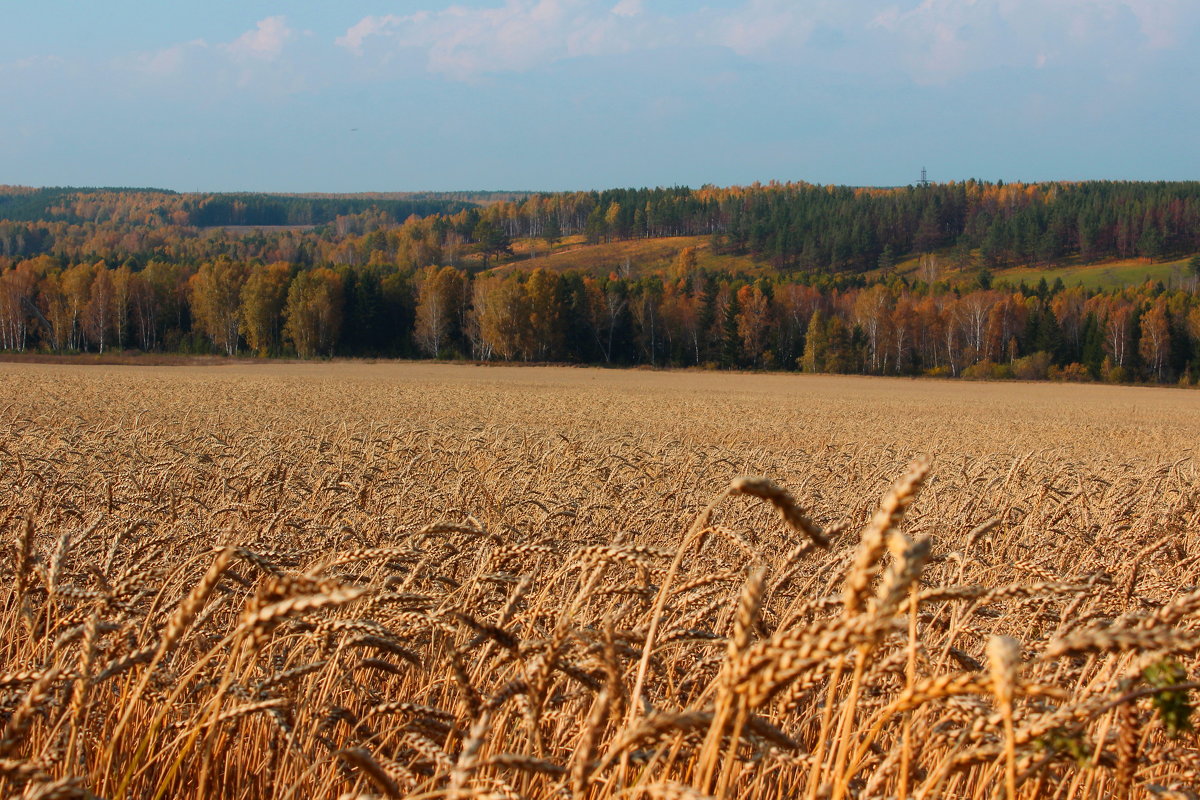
(764, 27)
(628, 8)
(941, 39)
(933, 41)
(169, 60)
(365, 28)
(464, 43)
(255, 60)
(1159, 20)
(265, 42)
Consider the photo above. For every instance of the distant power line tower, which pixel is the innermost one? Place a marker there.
(924, 178)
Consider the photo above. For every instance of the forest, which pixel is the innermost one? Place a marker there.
(414, 275)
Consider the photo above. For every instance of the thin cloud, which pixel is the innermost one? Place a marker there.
(932, 42)
(265, 42)
(367, 27)
(257, 59)
(943, 39)
(167, 61)
(628, 8)
(32, 64)
(464, 43)
(766, 28)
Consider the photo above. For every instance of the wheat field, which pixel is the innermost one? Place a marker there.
(432, 581)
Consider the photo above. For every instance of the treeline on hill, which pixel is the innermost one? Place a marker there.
(157, 207)
(688, 317)
(790, 226)
(102, 269)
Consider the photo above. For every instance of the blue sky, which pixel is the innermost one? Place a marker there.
(371, 95)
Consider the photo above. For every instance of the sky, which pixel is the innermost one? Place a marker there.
(414, 95)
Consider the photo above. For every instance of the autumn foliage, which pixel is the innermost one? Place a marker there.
(107, 270)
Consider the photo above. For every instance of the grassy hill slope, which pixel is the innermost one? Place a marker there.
(642, 256)
(1100, 275)
(637, 257)
(1105, 275)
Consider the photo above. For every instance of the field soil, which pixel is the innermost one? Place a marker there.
(387, 580)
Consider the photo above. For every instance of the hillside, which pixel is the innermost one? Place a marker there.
(1108, 274)
(1105, 274)
(791, 228)
(640, 257)
(634, 257)
(776, 278)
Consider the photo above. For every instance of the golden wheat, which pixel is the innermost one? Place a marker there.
(330, 581)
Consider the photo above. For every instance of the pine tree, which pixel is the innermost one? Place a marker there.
(887, 260)
(492, 240)
(552, 231)
(1150, 244)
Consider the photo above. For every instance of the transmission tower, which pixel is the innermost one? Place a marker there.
(924, 178)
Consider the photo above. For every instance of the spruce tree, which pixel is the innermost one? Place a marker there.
(1092, 344)
(1049, 338)
(730, 343)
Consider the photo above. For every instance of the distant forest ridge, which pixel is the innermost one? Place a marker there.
(903, 281)
(791, 226)
(79, 205)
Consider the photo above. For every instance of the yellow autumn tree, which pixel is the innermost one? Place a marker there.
(498, 315)
(753, 321)
(263, 299)
(440, 295)
(98, 311)
(216, 301)
(313, 317)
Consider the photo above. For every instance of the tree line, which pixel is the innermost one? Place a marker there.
(792, 227)
(686, 317)
(157, 207)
